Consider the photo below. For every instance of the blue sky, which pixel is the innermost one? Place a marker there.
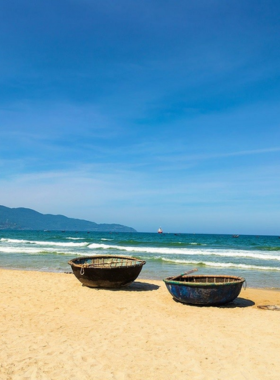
(143, 113)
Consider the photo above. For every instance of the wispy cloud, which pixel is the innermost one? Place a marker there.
(115, 114)
(209, 156)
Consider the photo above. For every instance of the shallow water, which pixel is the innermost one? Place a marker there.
(256, 258)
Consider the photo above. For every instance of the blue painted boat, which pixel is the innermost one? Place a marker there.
(204, 290)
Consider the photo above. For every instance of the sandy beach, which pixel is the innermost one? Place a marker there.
(52, 327)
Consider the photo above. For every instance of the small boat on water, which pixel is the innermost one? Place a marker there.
(204, 290)
(106, 271)
(159, 231)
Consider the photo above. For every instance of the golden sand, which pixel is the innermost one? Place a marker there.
(54, 328)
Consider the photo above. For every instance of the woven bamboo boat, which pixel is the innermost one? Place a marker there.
(106, 271)
(204, 290)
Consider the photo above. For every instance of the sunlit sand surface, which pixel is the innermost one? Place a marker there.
(52, 327)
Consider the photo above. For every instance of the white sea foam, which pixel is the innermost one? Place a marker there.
(56, 244)
(27, 250)
(45, 243)
(77, 253)
(15, 240)
(191, 252)
(224, 265)
(100, 246)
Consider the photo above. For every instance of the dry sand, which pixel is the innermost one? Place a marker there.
(52, 327)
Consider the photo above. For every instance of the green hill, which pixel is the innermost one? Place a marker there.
(27, 219)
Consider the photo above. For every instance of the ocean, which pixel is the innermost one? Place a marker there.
(256, 258)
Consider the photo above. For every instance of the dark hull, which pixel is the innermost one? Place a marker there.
(205, 293)
(106, 277)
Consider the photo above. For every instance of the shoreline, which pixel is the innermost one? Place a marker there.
(138, 279)
(254, 259)
(55, 328)
(147, 280)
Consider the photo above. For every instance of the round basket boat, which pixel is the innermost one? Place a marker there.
(106, 271)
(204, 290)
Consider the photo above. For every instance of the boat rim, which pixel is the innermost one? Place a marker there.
(236, 280)
(72, 261)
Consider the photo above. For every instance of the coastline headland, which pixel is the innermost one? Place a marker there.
(21, 218)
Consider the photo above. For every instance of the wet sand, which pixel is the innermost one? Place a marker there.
(52, 327)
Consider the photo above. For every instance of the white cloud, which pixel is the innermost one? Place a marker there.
(110, 194)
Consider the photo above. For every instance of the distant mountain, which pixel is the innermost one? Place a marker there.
(26, 219)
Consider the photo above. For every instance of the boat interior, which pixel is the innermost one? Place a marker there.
(107, 262)
(208, 279)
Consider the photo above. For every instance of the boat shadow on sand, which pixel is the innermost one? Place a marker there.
(237, 303)
(136, 286)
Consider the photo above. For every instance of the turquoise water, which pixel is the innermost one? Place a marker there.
(256, 258)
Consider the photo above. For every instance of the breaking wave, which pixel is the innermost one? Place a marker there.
(260, 255)
(224, 265)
